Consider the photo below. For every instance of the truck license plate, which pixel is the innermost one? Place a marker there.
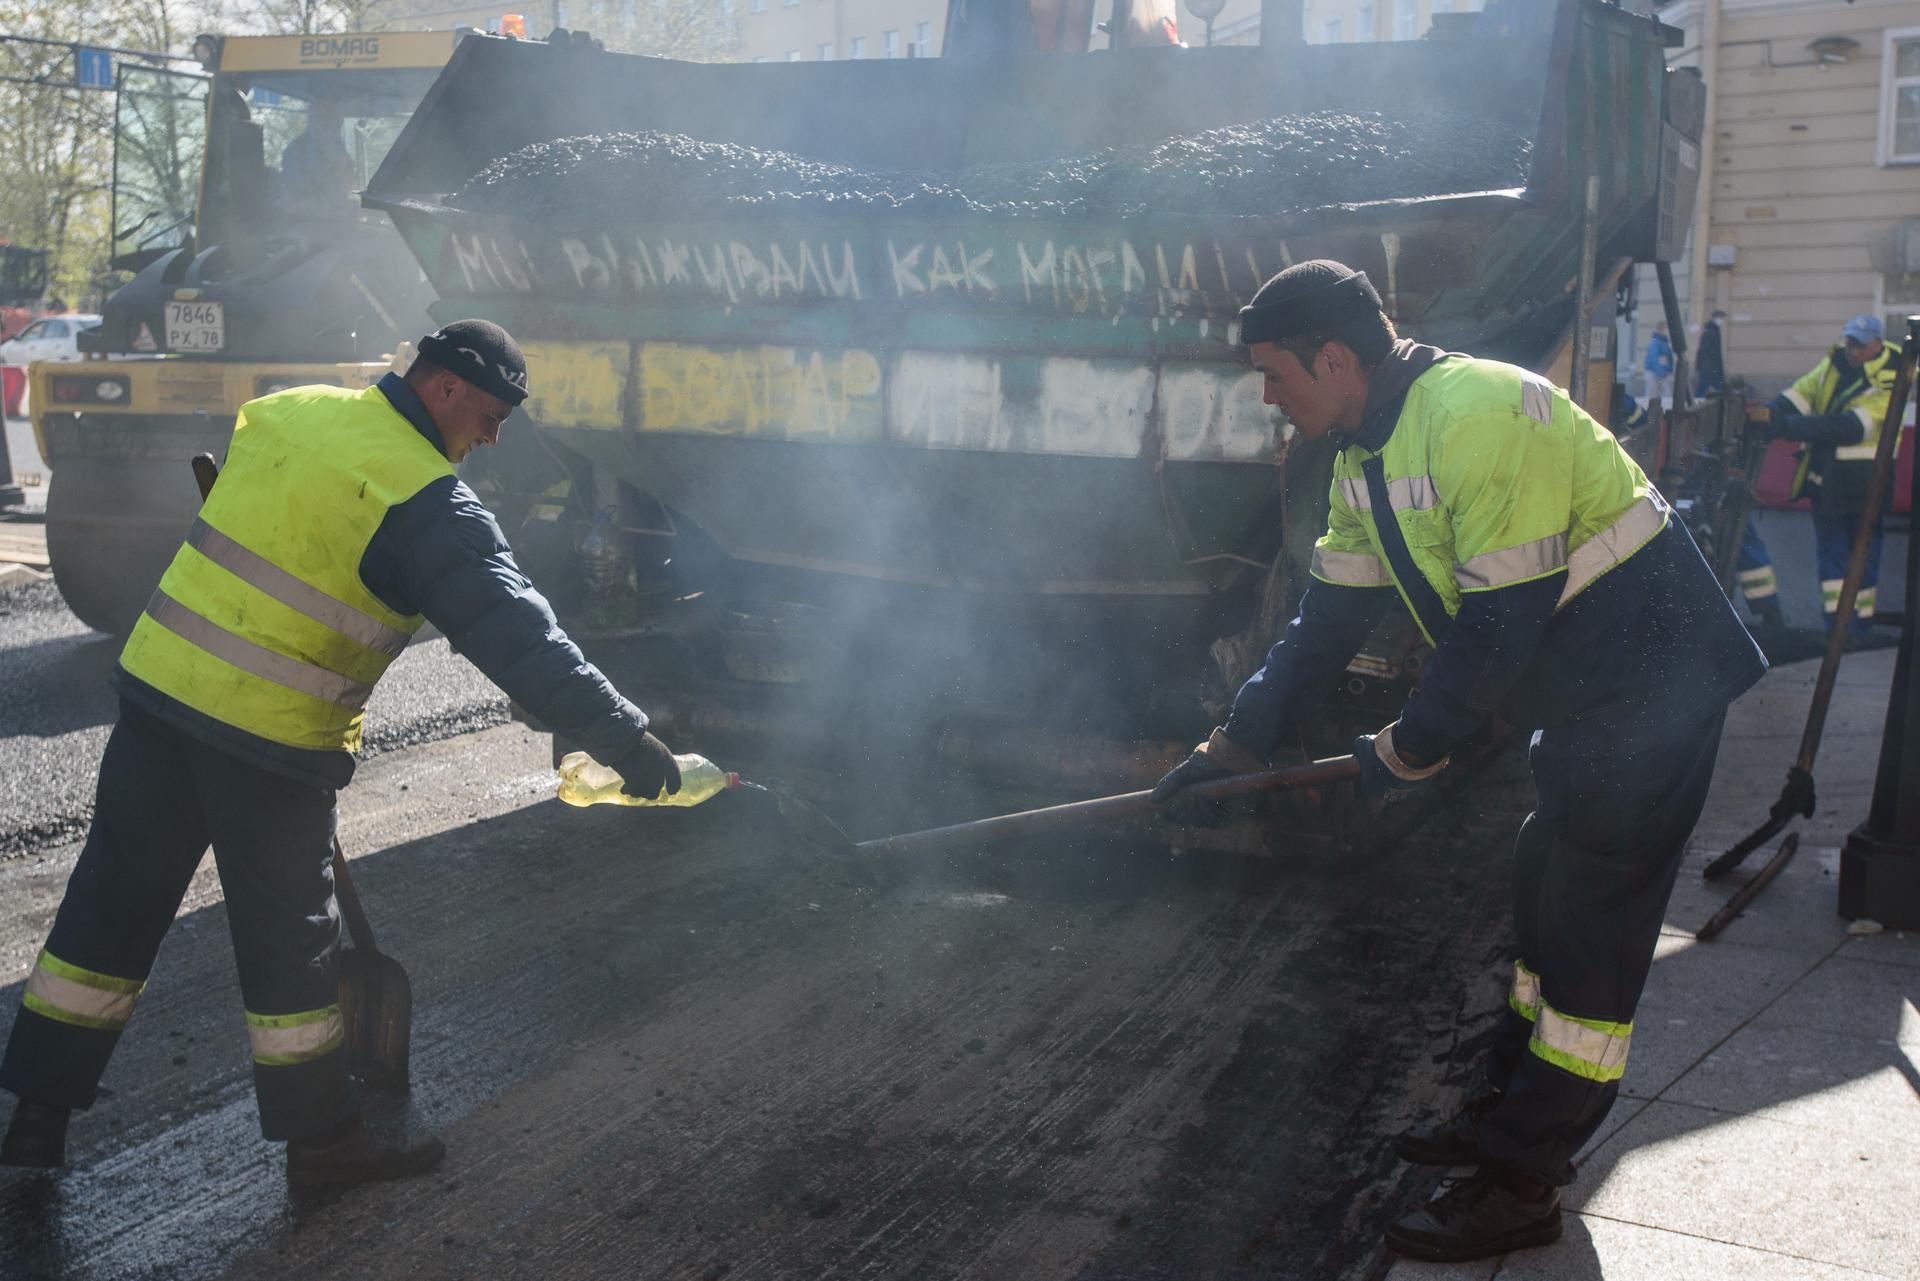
(196, 326)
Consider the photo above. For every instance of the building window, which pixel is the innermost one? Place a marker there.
(857, 47)
(1330, 31)
(756, 6)
(1900, 99)
(826, 53)
(726, 9)
(1364, 23)
(923, 39)
(761, 58)
(889, 44)
(1405, 17)
(791, 4)
(793, 55)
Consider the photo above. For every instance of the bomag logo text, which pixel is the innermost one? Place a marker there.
(335, 48)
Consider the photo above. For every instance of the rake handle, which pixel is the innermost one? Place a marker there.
(1109, 808)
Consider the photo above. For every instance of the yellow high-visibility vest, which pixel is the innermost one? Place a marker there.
(261, 621)
(1494, 477)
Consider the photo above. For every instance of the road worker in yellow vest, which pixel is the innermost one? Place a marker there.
(1834, 412)
(1557, 590)
(336, 529)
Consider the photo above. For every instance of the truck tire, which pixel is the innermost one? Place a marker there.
(112, 528)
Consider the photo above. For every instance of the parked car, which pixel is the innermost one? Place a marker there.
(48, 338)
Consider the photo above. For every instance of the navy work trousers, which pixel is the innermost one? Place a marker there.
(1620, 791)
(1833, 534)
(163, 798)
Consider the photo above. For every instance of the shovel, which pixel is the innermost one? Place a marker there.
(376, 1000)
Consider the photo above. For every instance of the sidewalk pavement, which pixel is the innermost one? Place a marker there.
(1769, 1123)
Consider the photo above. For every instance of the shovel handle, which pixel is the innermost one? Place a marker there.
(1108, 808)
(359, 929)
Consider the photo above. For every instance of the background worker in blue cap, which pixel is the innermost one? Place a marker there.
(1833, 412)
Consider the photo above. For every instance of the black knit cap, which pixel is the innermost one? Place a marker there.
(483, 354)
(1305, 298)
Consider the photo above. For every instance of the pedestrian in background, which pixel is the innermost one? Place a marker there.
(1658, 367)
(1710, 361)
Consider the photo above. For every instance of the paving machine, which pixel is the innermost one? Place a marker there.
(969, 464)
(254, 269)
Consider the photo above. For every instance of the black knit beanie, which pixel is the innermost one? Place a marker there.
(1305, 298)
(483, 354)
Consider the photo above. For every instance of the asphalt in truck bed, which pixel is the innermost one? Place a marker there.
(679, 1045)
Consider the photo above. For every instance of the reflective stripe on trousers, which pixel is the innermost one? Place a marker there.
(1757, 584)
(83, 998)
(1590, 1048)
(1864, 600)
(281, 1040)
(1525, 994)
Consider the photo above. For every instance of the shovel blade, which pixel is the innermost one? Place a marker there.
(376, 1004)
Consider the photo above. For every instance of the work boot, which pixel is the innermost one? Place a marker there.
(1478, 1216)
(1454, 1141)
(358, 1155)
(1766, 613)
(37, 1137)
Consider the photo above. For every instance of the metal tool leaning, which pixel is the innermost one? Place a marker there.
(1557, 591)
(338, 528)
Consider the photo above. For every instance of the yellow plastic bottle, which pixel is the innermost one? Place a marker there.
(585, 781)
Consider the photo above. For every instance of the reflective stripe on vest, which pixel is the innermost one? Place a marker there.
(282, 1040)
(258, 571)
(82, 998)
(1525, 994)
(1350, 569)
(330, 687)
(1512, 564)
(1404, 494)
(262, 621)
(1632, 530)
(1589, 1048)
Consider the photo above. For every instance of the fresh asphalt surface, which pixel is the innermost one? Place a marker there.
(686, 1045)
(56, 709)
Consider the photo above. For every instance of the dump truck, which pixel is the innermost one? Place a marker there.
(254, 269)
(909, 390)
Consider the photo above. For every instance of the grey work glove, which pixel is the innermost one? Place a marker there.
(648, 769)
(1218, 757)
(1383, 772)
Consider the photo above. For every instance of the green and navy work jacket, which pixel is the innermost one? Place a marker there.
(338, 524)
(1549, 574)
(1836, 410)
